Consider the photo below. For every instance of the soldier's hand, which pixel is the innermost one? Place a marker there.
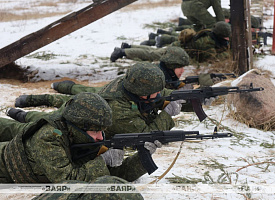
(151, 147)
(208, 102)
(216, 80)
(205, 80)
(113, 157)
(174, 107)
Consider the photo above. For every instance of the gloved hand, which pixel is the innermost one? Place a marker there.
(208, 102)
(113, 157)
(216, 80)
(174, 107)
(151, 147)
(205, 80)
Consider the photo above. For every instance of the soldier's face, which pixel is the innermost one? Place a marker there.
(179, 71)
(96, 135)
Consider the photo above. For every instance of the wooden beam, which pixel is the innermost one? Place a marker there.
(59, 29)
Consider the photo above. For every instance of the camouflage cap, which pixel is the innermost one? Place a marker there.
(88, 111)
(222, 29)
(143, 79)
(175, 57)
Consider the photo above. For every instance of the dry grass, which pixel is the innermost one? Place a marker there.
(266, 126)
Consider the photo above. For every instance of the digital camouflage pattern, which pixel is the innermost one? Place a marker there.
(196, 12)
(65, 88)
(144, 53)
(89, 196)
(48, 153)
(222, 29)
(205, 46)
(226, 13)
(44, 99)
(255, 21)
(88, 111)
(126, 116)
(175, 57)
(144, 79)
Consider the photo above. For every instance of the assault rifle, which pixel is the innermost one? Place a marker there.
(137, 140)
(195, 79)
(197, 96)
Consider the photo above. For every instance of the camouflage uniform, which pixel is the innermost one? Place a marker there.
(144, 53)
(128, 114)
(208, 44)
(202, 47)
(40, 151)
(196, 12)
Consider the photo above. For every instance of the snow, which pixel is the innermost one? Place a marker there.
(84, 55)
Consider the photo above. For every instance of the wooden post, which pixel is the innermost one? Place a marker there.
(59, 28)
(248, 34)
(239, 42)
(273, 41)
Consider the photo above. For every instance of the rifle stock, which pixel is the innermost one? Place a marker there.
(137, 140)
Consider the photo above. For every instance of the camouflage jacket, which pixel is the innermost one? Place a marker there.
(49, 155)
(216, 5)
(205, 46)
(126, 116)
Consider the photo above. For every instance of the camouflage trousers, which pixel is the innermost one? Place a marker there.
(8, 130)
(55, 100)
(197, 13)
(144, 53)
(76, 88)
(88, 196)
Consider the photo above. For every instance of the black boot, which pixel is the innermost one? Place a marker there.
(117, 53)
(17, 114)
(152, 36)
(125, 45)
(63, 87)
(161, 31)
(31, 100)
(148, 43)
(21, 101)
(158, 42)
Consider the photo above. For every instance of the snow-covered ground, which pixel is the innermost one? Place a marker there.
(84, 55)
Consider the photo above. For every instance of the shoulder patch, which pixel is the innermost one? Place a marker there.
(134, 105)
(57, 132)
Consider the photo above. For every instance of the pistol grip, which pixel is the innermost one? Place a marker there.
(198, 109)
